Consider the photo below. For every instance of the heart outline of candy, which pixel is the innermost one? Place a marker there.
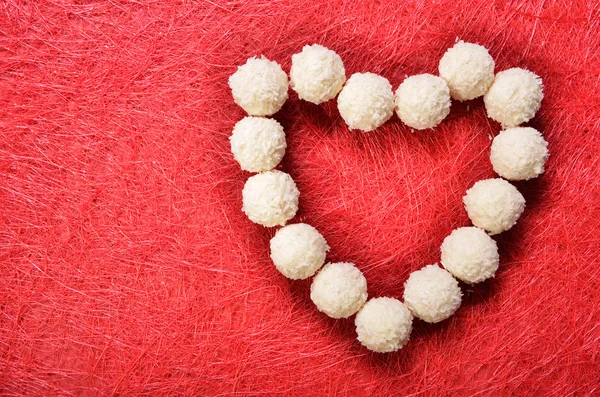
(365, 102)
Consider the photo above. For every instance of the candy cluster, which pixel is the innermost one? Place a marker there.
(365, 102)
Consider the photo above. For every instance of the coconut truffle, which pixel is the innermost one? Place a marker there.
(423, 101)
(519, 153)
(470, 255)
(514, 97)
(317, 74)
(383, 325)
(468, 69)
(298, 251)
(432, 294)
(494, 205)
(339, 290)
(259, 86)
(257, 143)
(270, 198)
(366, 101)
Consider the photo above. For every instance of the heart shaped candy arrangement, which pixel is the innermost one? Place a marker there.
(365, 102)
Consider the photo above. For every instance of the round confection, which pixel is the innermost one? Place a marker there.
(257, 143)
(366, 101)
(432, 294)
(468, 69)
(514, 97)
(470, 255)
(317, 74)
(259, 86)
(383, 325)
(339, 290)
(270, 198)
(519, 153)
(423, 101)
(298, 251)
(494, 205)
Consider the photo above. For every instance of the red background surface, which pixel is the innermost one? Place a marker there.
(128, 268)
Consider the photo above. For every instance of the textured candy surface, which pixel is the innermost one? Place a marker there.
(432, 294)
(366, 101)
(468, 69)
(384, 325)
(317, 74)
(339, 290)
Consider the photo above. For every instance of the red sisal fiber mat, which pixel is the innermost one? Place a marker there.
(128, 268)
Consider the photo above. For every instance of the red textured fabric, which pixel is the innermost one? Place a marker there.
(128, 268)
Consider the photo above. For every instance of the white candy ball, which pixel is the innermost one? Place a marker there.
(339, 290)
(257, 143)
(432, 294)
(494, 205)
(383, 325)
(423, 101)
(519, 153)
(468, 69)
(259, 86)
(470, 255)
(270, 198)
(366, 101)
(514, 97)
(298, 251)
(317, 74)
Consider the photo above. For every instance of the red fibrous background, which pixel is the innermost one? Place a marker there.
(128, 268)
